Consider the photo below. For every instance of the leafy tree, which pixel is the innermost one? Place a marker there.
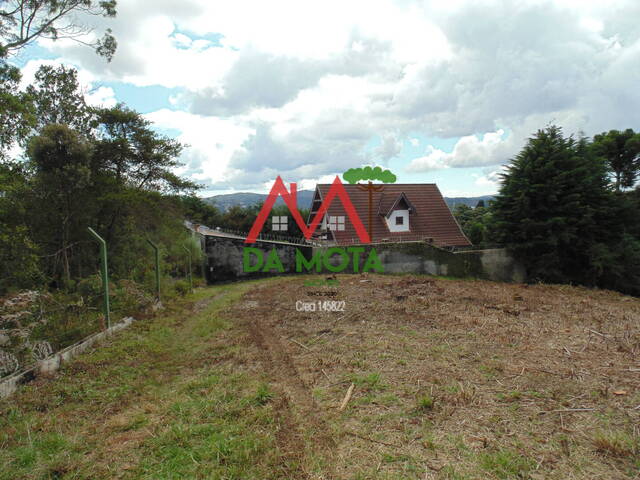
(57, 98)
(19, 254)
(128, 147)
(621, 150)
(480, 204)
(476, 233)
(555, 210)
(24, 21)
(16, 110)
(475, 223)
(199, 211)
(293, 230)
(240, 218)
(62, 183)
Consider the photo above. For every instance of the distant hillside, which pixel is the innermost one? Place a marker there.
(469, 201)
(246, 199)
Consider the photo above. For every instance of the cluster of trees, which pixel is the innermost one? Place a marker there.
(474, 222)
(238, 218)
(568, 211)
(65, 165)
(82, 166)
(100, 167)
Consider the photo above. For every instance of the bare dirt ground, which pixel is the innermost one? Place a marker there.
(453, 379)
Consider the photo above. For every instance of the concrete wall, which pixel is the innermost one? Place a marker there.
(420, 257)
(223, 257)
(51, 364)
(497, 264)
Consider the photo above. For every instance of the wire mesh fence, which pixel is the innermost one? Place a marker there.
(36, 324)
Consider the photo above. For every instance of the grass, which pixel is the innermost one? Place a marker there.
(154, 402)
(616, 443)
(425, 403)
(506, 464)
(465, 379)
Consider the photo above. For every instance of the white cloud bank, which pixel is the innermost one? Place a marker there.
(469, 151)
(300, 89)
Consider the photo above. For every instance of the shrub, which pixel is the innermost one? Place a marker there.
(425, 403)
(181, 287)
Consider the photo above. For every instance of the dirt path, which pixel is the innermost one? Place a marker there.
(303, 432)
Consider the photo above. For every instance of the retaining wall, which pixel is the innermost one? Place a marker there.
(223, 257)
(424, 258)
(50, 364)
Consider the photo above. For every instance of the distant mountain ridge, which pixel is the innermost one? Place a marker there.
(246, 199)
(468, 201)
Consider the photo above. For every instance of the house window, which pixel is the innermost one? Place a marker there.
(336, 223)
(399, 220)
(279, 223)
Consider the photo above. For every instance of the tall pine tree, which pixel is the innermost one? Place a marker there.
(554, 210)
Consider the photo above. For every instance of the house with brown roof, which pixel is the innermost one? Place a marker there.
(399, 213)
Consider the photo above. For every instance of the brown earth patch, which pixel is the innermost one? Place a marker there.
(453, 378)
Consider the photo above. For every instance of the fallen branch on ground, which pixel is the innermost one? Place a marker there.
(300, 344)
(567, 410)
(372, 440)
(347, 397)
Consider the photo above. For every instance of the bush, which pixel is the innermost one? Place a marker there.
(90, 287)
(130, 297)
(181, 287)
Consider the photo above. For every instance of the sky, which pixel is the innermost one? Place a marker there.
(439, 92)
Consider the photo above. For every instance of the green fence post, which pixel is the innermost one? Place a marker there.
(190, 276)
(157, 253)
(105, 274)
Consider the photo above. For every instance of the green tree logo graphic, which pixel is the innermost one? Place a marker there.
(353, 175)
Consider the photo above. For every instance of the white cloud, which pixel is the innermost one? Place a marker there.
(469, 151)
(389, 148)
(212, 142)
(434, 159)
(301, 89)
(101, 96)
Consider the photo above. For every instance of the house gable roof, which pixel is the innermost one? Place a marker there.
(431, 217)
(399, 199)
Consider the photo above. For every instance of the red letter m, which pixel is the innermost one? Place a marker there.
(279, 189)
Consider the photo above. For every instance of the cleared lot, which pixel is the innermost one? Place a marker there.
(452, 379)
(459, 379)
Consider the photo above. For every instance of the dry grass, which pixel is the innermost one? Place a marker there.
(463, 379)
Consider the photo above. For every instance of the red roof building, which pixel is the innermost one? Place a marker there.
(400, 213)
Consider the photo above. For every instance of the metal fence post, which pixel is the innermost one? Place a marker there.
(104, 273)
(157, 255)
(190, 277)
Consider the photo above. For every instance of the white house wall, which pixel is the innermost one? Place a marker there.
(391, 221)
